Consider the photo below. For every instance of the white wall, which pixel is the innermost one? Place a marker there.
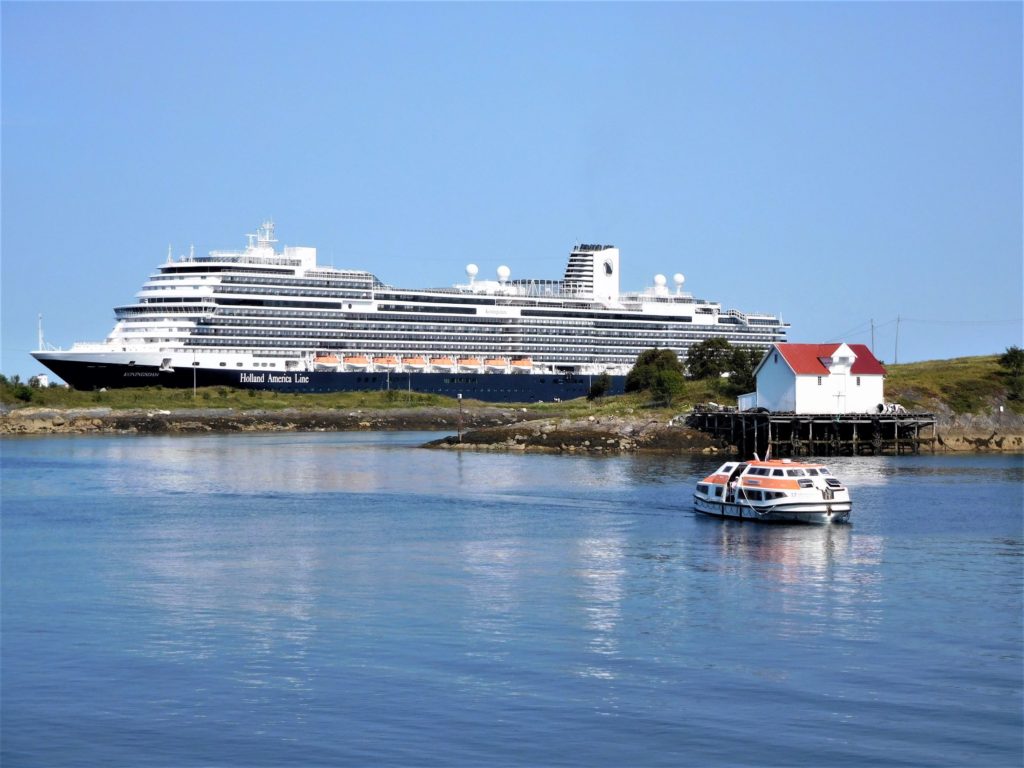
(606, 286)
(839, 393)
(775, 385)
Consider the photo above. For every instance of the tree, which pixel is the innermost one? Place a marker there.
(709, 359)
(649, 362)
(600, 386)
(666, 385)
(1013, 361)
(743, 361)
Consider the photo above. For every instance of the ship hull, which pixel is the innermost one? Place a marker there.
(488, 387)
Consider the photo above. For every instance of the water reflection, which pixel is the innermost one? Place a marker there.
(600, 572)
(819, 578)
(493, 596)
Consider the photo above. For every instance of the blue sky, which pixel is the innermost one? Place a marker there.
(836, 163)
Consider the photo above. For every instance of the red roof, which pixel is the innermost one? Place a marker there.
(806, 359)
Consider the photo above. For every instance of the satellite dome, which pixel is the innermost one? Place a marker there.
(679, 278)
(659, 280)
(503, 273)
(472, 270)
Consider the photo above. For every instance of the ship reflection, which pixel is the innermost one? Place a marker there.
(814, 575)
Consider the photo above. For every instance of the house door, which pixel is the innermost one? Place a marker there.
(838, 381)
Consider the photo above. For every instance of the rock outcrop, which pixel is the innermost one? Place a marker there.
(591, 435)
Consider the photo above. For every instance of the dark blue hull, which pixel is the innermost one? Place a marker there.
(489, 387)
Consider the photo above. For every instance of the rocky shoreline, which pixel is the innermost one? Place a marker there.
(488, 428)
(49, 421)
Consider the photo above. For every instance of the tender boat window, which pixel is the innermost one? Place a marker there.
(778, 473)
(754, 495)
(824, 471)
(812, 472)
(701, 488)
(718, 490)
(795, 472)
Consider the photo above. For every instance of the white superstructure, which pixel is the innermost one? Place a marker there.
(261, 308)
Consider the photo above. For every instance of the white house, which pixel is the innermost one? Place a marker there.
(817, 378)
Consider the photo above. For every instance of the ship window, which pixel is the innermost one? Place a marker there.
(778, 473)
(222, 365)
(239, 365)
(812, 472)
(819, 381)
(718, 490)
(824, 471)
(858, 381)
(754, 495)
(795, 472)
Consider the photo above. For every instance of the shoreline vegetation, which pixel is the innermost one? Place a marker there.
(972, 398)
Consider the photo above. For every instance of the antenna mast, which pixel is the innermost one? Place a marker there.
(40, 331)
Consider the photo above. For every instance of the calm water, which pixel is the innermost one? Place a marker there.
(347, 599)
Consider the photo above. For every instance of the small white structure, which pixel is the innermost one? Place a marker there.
(817, 378)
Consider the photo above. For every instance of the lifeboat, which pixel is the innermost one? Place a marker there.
(443, 363)
(470, 363)
(496, 363)
(417, 363)
(357, 362)
(522, 365)
(774, 491)
(326, 363)
(386, 363)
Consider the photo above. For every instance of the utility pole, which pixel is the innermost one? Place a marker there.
(896, 352)
(459, 396)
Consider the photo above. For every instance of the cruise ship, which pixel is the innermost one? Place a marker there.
(269, 318)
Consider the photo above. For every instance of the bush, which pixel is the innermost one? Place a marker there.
(600, 387)
(667, 385)
(641, 376)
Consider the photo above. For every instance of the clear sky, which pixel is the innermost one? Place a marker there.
(835, 162)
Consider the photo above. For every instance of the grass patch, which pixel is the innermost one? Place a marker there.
(962, 384)
(159, 398)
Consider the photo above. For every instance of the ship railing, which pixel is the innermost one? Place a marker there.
(233, 257)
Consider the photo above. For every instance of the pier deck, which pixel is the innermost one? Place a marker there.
(840, 434)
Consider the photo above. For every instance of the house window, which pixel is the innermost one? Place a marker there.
(819, 381)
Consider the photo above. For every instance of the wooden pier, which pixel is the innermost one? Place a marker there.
(840, 434)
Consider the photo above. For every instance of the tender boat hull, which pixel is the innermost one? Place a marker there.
(824, 513)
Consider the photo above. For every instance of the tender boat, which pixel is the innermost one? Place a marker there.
(326, 363)
(774, 491)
